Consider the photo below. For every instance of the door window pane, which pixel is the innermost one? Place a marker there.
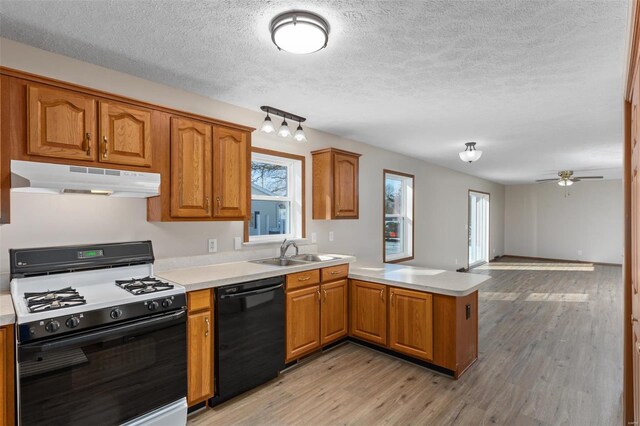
(398, 217)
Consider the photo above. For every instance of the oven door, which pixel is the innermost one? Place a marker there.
(104, 377)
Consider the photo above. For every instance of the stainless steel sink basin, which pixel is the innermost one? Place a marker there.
(276, 261)
(313, 258)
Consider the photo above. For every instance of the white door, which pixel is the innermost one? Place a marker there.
(478, 228)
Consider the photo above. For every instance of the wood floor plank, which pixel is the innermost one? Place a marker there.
(550, 351)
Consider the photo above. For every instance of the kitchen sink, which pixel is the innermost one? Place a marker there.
(276, 261)
(313, 258)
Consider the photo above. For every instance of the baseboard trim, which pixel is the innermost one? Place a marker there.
(560, 260)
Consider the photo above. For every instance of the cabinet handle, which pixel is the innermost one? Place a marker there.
(391, 298)
(88, 138)
(206, 332)
(208, 204)
(318, 293)
(307, 278)
(382, 294)
(324, 290)
(218, 201)
(634, 319)
(105, 153)
(638, 346)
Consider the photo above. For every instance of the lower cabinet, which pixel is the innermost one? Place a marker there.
(368, 311)
(333, 322)
(303, 319)
(411, 322)
(7, 369)
(200, 346)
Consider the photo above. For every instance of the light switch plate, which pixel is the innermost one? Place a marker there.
(237, 243)
(314, 237)
(213, 245)
(330, 235)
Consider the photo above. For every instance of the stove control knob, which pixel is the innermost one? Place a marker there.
(153, 306)
(52, 326)
(73, 322)
(115, 313)
(166, 303)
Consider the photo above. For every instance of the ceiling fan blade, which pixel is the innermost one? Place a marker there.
(589, 177)
(547, 180)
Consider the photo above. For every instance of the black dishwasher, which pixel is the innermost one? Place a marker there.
(249, 335)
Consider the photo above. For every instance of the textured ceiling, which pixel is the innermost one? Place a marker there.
(538, 84)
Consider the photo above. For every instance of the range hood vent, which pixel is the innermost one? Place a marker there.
(28, 176)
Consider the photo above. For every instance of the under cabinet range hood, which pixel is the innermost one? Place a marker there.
(28, 176)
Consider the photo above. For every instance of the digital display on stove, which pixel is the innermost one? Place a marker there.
(89, 254)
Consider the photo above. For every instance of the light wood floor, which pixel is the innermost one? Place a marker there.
(550, 353)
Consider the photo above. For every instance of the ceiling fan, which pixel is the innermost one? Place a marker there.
(566, 178)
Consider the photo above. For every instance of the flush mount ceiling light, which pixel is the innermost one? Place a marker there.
(283, 131)
(299, 32)
(470, 153)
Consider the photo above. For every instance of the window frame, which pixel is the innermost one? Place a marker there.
(285, 158)
(409, 220)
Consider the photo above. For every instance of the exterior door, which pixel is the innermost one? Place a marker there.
(200, 357)
(334, 311)
(368, 311)
(61, 124)
(231, 156)
(191, 172)
(345, 186)
(411, 322)
(303, 321)
(125, 135)
(478, 228)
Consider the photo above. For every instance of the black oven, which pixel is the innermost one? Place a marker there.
(106, 376)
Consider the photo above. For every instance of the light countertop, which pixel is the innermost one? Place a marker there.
(7, 314)
(236, 272)
(424, 279)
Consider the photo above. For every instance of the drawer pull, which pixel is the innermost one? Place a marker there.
(334, 272)
(307, 278)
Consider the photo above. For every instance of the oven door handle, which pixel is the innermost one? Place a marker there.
(250, 293)
(147, 325)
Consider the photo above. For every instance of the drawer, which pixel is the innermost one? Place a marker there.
(303, 279)
(199, 300)
(335, 272)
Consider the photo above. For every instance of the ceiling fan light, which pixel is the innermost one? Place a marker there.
(565, 182)
(267, 125)
(284, 130)
(299, 134)
(299, 32)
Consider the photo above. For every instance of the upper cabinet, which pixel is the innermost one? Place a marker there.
(335, 184)
(231, 156)
(61, 124)
(125, 135)
(191, 172)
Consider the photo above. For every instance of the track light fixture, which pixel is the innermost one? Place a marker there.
(470, 153)
(284, 130)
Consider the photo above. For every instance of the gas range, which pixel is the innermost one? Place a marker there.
(67, 289)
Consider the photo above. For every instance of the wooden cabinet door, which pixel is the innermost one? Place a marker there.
(7, 364)
(368, 317)
(61, 124)
(333, 315)
(411, 322)
(200, 357)
(191, 172)
(303, 321)
(231, 157)
(125, 135)
(345, 186)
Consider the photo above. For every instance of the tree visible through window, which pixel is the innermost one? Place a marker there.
(398, 216)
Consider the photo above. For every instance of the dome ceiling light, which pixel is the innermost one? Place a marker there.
(299, 32)
(470, 153)
(283, 131)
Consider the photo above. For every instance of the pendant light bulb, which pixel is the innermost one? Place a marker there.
(284, 130)
(267, 125)
(299, 134)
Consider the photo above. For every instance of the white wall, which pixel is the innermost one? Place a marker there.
(441, 194)
(587, 225)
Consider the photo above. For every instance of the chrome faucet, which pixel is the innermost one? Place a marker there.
(285, 246)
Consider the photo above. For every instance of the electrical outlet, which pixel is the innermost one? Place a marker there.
(330, 235)
(213, 245)
(494, 251)
(579, 252)
(456, 261)
(237, 243)
(314, 237)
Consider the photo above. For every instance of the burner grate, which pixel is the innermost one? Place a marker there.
(139, 286)
(53, 299)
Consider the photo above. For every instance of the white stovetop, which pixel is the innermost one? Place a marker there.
(97, 287)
